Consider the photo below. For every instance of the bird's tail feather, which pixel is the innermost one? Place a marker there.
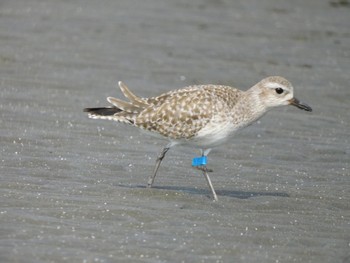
(123, 111)
(110, 113)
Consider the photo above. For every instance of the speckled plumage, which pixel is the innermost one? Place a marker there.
(202, 115)
(179, 114)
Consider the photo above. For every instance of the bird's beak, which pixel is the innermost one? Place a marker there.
(295, 102)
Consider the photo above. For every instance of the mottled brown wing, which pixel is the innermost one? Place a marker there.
(178, 115)
(159, 100)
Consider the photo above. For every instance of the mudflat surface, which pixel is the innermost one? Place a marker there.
(73, 189)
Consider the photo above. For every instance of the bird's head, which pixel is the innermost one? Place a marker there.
(277, 91)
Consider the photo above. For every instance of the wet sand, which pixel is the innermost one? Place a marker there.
(73, 189)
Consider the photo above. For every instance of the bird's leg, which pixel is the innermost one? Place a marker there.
(205, 171)
(158, 162)
(201, 164)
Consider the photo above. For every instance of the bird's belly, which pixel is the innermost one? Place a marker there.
(214, 134)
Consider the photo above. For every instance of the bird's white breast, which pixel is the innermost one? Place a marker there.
(216, 132)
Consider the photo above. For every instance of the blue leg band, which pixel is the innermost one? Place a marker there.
(199, 161)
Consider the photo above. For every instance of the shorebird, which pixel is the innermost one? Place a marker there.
(204, 116)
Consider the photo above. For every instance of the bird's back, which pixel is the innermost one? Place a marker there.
(181, 114)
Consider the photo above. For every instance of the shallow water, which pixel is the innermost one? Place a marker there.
(73, 189)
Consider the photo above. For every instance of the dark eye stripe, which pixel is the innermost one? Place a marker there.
(279, 90)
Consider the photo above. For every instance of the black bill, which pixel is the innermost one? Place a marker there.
(295, 102)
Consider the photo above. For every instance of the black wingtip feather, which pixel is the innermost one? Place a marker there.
(104, 111)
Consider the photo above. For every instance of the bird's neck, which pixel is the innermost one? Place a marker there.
(251, 107)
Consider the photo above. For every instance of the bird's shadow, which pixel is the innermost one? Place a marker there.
(192, 190)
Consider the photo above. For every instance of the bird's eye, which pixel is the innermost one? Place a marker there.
(279, 90)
